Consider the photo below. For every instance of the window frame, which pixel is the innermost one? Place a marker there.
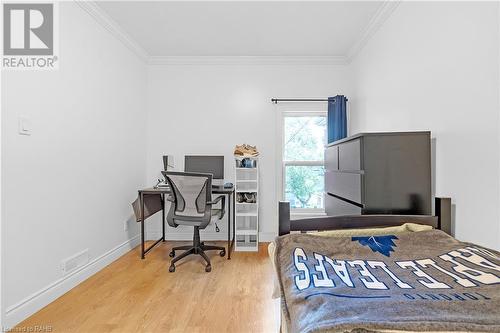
(284, 163)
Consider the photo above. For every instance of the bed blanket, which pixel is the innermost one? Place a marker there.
(424, 281)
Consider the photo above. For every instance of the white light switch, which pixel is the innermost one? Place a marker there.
(24, 126)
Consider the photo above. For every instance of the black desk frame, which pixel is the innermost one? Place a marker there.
(230, 192)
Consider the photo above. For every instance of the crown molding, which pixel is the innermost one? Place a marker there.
(114, 28)
(378, 19)
(247, 60)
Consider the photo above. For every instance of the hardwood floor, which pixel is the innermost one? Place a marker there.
(134, 295)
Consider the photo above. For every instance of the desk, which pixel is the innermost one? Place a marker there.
(163, 192)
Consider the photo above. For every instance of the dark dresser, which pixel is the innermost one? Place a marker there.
(379, 173)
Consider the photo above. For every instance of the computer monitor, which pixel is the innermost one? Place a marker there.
(205, 164)
(168, 162)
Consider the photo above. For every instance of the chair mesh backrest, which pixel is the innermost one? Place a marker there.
(190, 193)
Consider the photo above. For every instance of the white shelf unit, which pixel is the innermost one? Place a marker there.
(247, 214)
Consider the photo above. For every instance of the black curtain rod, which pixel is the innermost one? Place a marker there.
(276, 100)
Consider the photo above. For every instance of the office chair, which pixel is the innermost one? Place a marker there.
(192, 206)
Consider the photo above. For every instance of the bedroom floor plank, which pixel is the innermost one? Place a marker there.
(134, 295)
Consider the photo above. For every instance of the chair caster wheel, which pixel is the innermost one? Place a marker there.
(208, 268)
(222, 253)
(171, 269)
(171, 254)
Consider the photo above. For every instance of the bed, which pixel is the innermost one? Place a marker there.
(383, 273)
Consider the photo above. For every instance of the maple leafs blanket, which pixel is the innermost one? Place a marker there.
(423, 281)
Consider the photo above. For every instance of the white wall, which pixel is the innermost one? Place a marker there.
(431, 66)
(208, 109)
(69, 185)
(435, 66)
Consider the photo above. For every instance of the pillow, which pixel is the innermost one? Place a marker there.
(401, 229)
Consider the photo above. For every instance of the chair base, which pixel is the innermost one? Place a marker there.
(198, 247)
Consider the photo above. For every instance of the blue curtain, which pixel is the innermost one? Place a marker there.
(337, 118)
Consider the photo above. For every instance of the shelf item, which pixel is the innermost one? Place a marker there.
(247, 206)
(246, 196)
(246, 162)
(245, 151)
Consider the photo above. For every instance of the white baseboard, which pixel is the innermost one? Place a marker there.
(209, 236)
(31, 304)
(267, 236)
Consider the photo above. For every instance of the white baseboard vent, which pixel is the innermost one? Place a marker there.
(16, 313)
(76, 261)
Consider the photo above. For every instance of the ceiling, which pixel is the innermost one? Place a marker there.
(243, 28)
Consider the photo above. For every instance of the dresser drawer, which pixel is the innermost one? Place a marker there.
(336, 207)
(350, 155)
(332, 158)
(344, 184)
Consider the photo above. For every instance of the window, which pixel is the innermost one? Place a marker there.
(304, 140)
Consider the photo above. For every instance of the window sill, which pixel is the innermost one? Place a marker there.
(305, 215)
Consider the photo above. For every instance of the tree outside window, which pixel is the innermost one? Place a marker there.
(304, 139)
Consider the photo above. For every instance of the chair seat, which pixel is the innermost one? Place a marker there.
(217, 214)
(190, 212)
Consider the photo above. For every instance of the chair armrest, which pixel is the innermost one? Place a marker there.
(222, 199)
(219, 198)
